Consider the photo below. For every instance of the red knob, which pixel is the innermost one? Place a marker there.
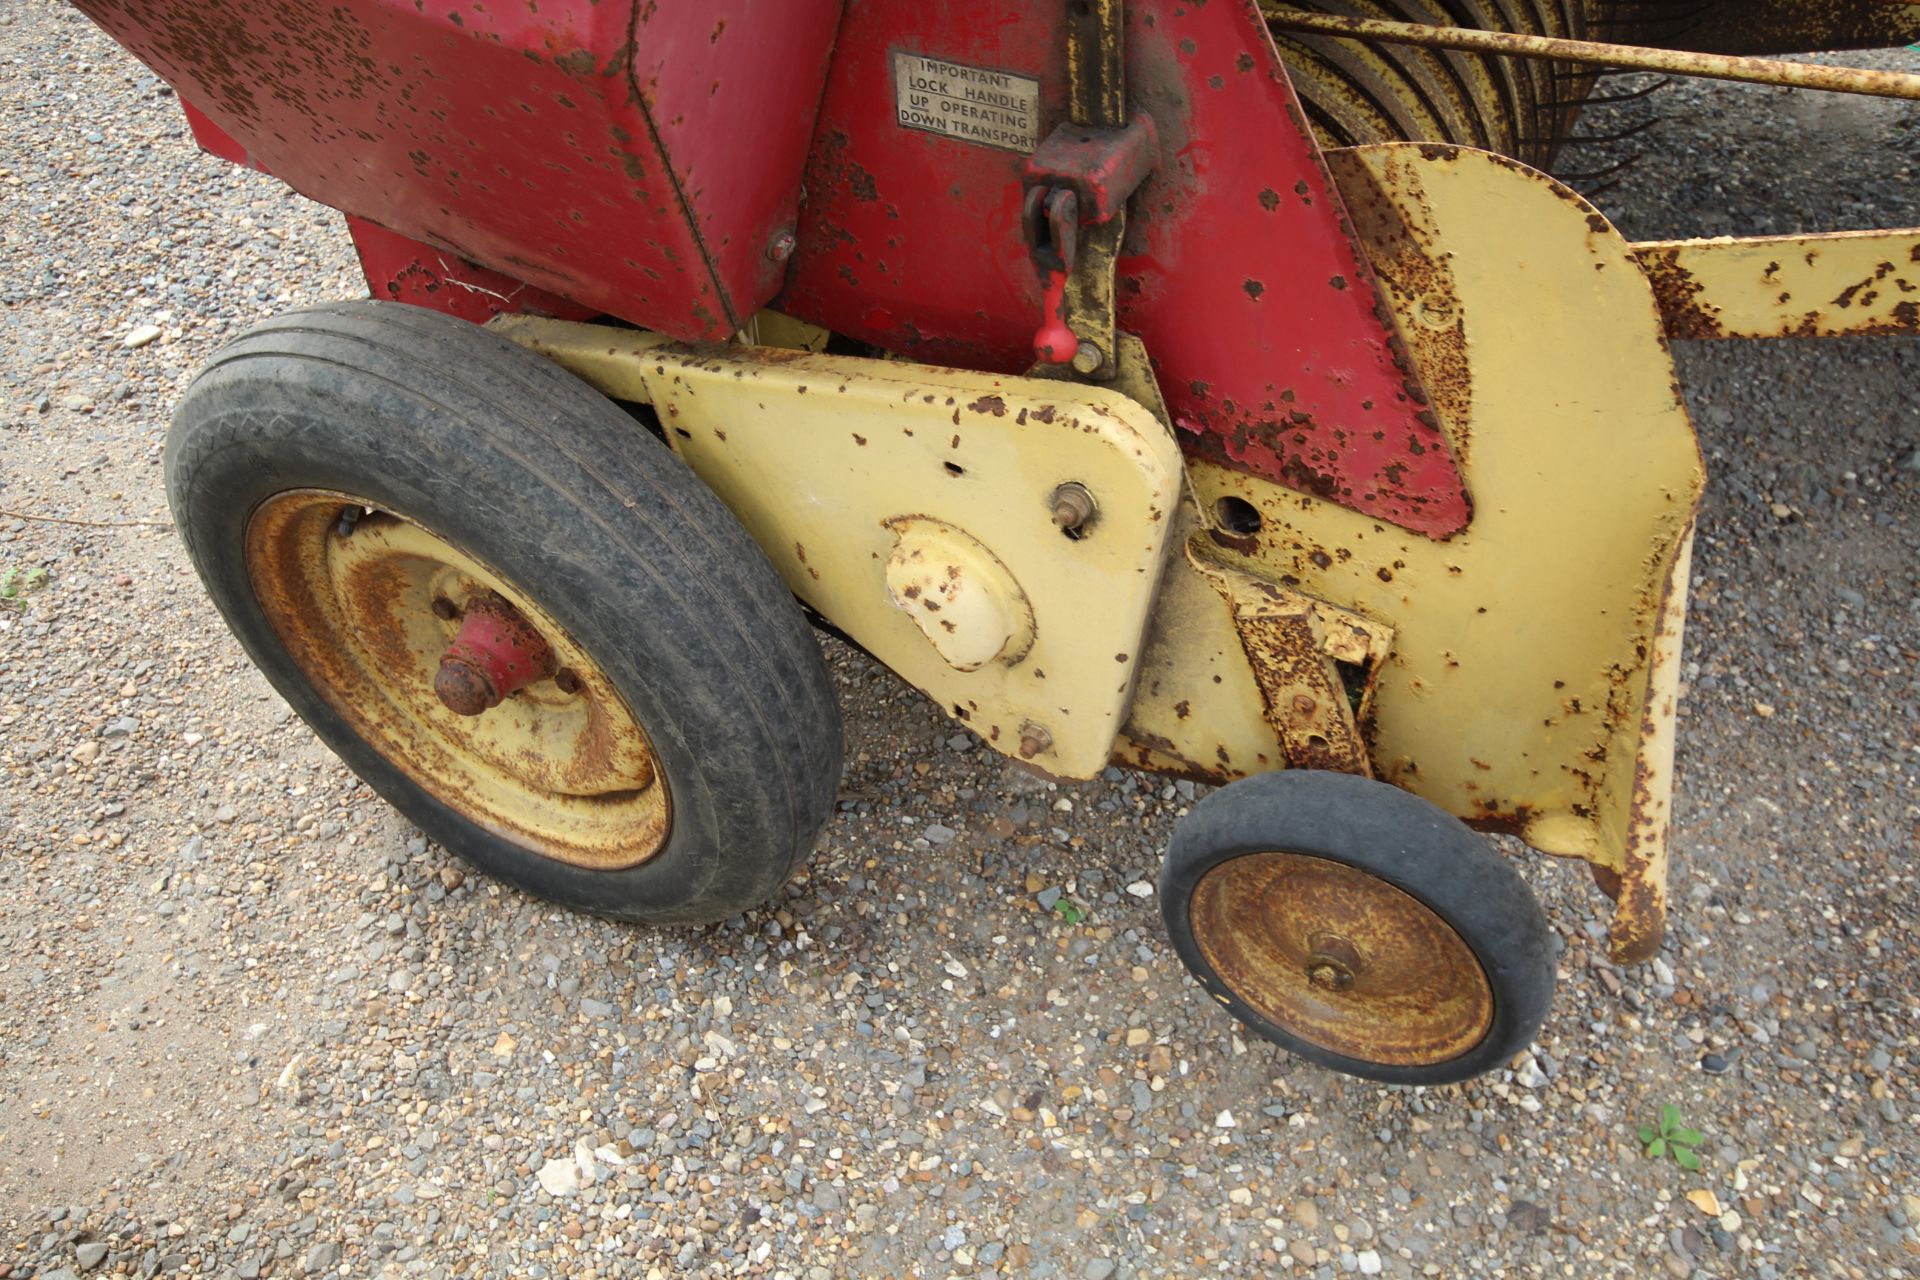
(1054, 343)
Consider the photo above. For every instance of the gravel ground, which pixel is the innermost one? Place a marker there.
(252, 1024)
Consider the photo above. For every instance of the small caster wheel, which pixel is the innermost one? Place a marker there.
(509, 609)
(1358, 926)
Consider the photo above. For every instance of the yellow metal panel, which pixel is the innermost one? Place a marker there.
(1818, 286)
(818, 455)
(1518, 692)
(607, 358)
(840, 467)
(1197, 712)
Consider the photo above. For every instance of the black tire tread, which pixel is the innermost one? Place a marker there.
(1406, 841)
(484, 402)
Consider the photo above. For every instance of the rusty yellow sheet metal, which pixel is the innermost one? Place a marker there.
(1640, 804)
(1520, 693)
(1296, 646)
(1197, 711)
(1812, 286)
(915, 508)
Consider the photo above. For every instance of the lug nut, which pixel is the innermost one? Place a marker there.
(1073, 507)
(1333, 963)
(1034, 739)
(1330, 977)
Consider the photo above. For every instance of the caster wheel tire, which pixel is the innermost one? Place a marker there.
(509, 609)
(1358, 926)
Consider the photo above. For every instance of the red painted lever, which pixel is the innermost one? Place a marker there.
(1052, 219)
(1054, 343)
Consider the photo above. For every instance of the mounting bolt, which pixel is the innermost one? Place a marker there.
(1087, 358)
(445, 609)
(1437, 312)
(782, 246)
(1333, 962)
(1072, 506)
(1330, 977)
(1303, 705)
(568, 682)
(1034, 739)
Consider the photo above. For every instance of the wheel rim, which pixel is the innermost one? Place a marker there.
(561, 766)
(1341, 959)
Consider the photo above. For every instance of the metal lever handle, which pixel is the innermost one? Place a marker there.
(1050, 217)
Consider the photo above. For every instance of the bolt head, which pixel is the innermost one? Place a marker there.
(782, 246)
(463, 688)
(1330, 977)
(1073, 506)
(1333, 962)
(1087, 358)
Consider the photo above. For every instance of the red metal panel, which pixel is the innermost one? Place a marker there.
(637, 157)
(1266, 331)
(402, 269)
(213, 139)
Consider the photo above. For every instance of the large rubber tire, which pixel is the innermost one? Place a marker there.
(529, 470)
(1394, 837)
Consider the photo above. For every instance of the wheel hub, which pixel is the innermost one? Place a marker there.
(410, 640)
(1333, 962)
(1341, 958)
(495, 653)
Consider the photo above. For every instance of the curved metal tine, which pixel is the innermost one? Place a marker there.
(1634, 96)
(1607, 172)
(1589, 139)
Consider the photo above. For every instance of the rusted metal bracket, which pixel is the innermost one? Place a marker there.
(1314, 662)
(1712, 66)
(1086, 169)
(1812, 286)
(1102, 166)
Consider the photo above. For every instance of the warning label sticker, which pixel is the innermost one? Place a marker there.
(995, 108)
